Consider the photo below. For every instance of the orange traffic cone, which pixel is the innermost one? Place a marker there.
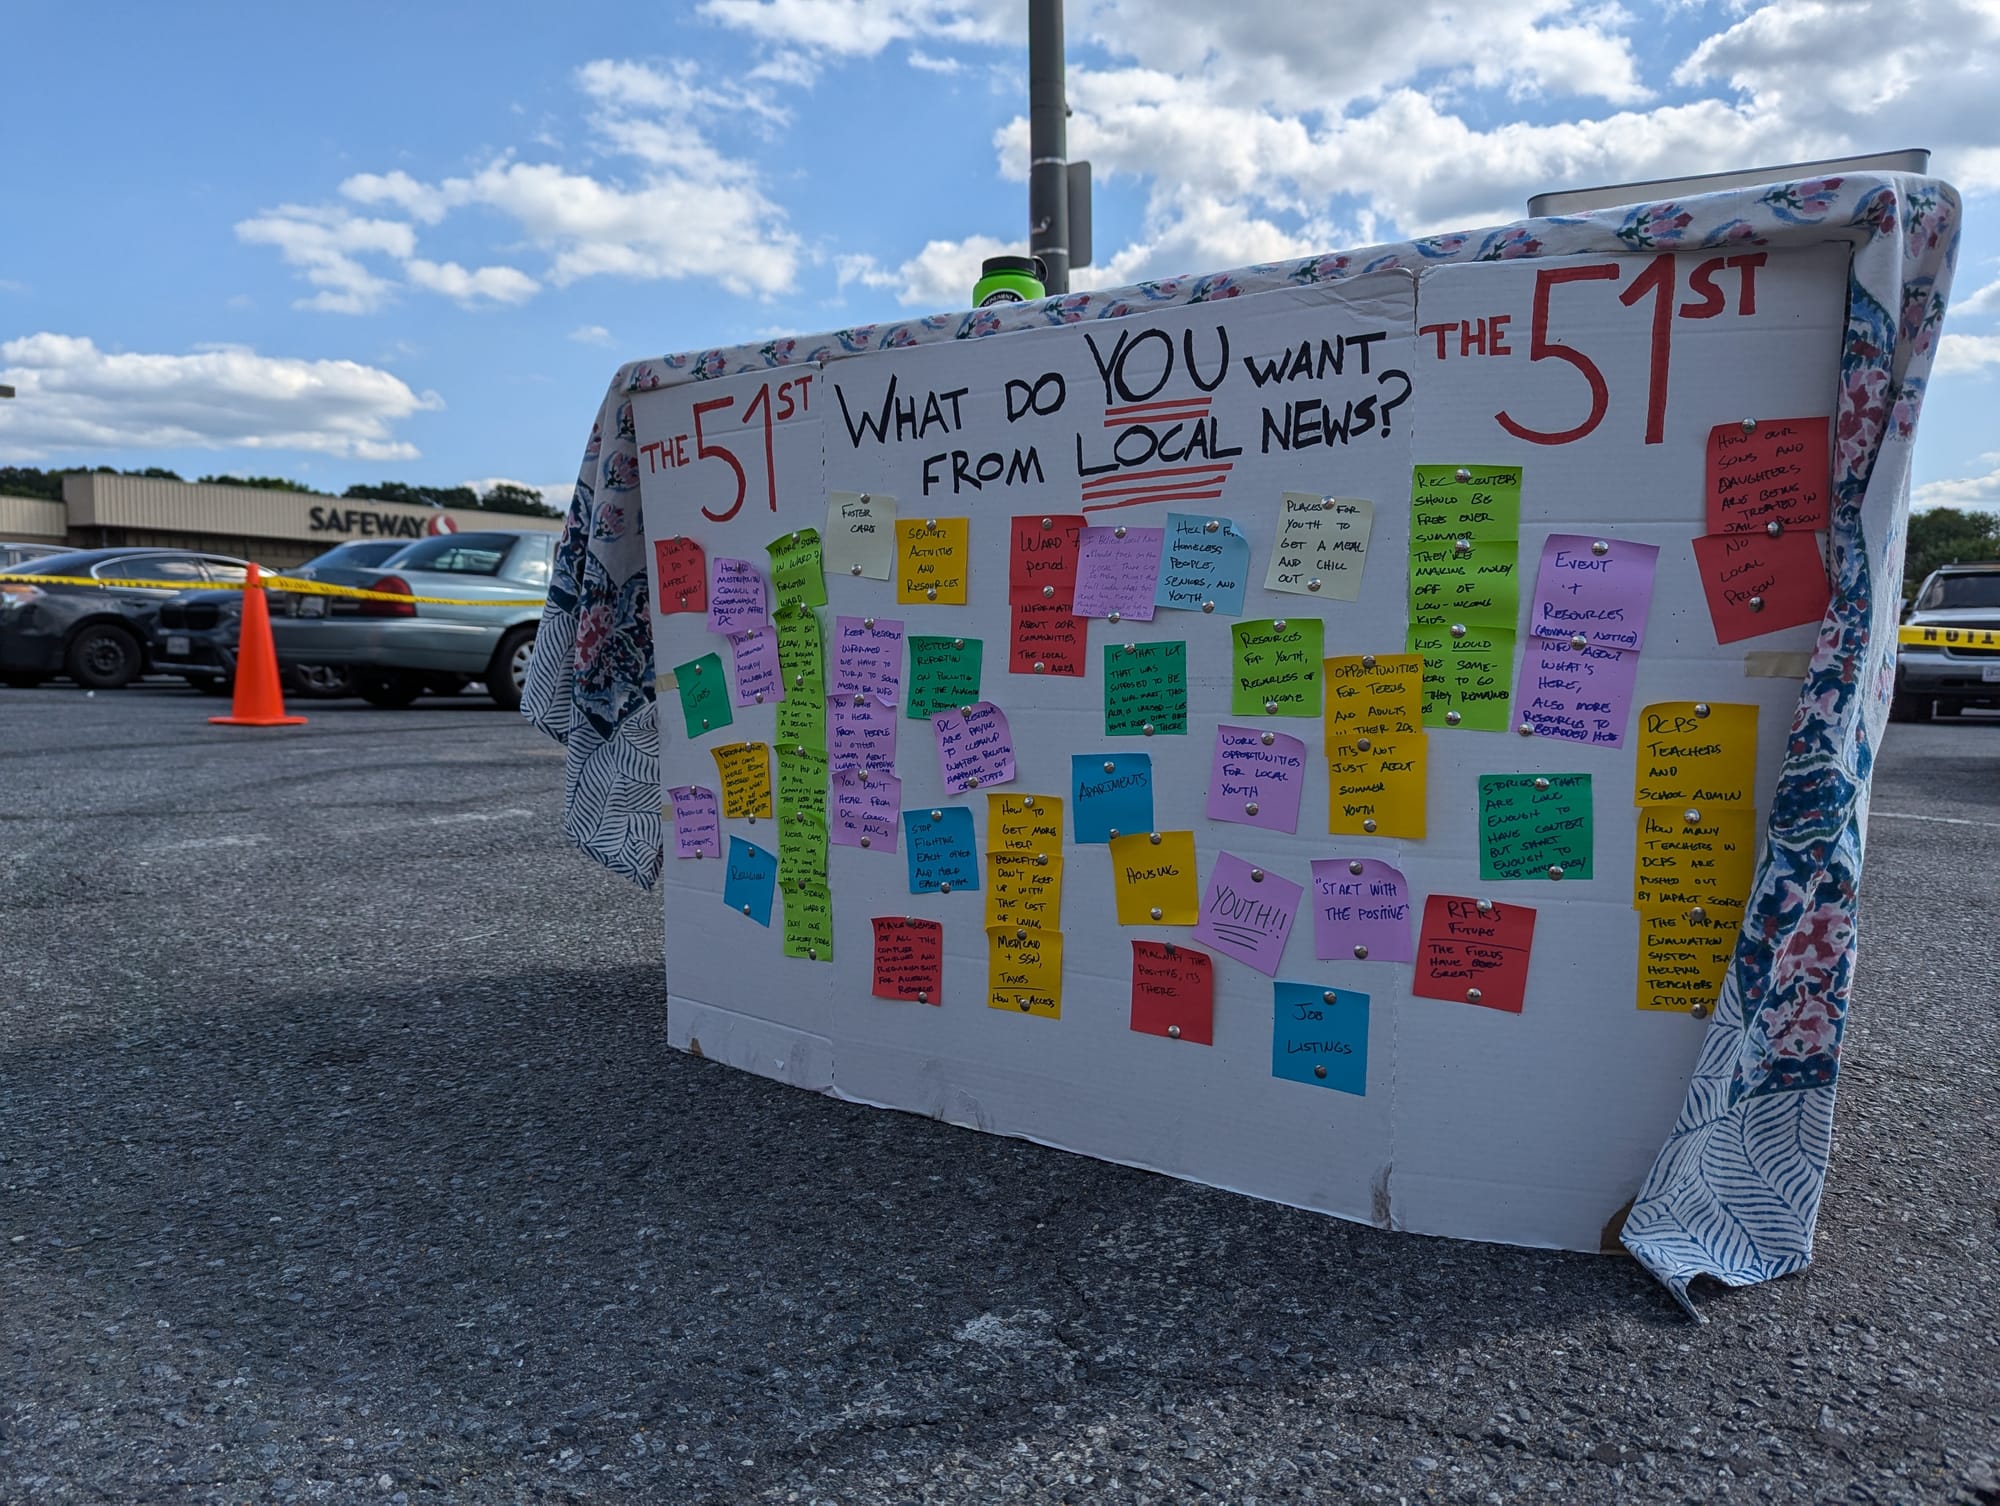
(258, 701)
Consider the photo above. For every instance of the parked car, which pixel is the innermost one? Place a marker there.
(397, 650)
(196, 633)
(97, 635)
(1935, 679)
(12, 555)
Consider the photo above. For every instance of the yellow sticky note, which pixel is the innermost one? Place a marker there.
(1690, 856)
(1375, 695)
(745, 772)
(1024, 823)
(1024, 970)
(1024, 889)
(931, 560)
(1378, 786)
(1153, 876)
(1684, 953)
(1696, 753)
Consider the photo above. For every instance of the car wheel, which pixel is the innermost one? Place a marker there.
(321, 682)
(209, 684)
(1907, 707)
(391, 689)
(21, 681)
(507, 675)
(103, 657)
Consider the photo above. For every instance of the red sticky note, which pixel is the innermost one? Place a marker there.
(1758, 584)
(1041, 559)
(1778, 471)
(1050, 636)
(683, 575)
(909, 958)
(1173, 991)
(1474, 951)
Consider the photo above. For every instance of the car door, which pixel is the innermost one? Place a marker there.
(166, 575)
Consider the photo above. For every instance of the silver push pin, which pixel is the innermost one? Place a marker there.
(1461, 547)
(1267, 738)
(1360, 952)
(1173, 1032)
(1368, 825)
(1146, 728)
(1319, 1069)
(1749, 426)
(1113, 616)
(1208, 606)
(1367, 661)
(1211, 526)
(1047, 592)
(1041, 668)
(1462, 474)
(1313, 584)
(1249, 807)
(1699, 1011)
(1484, 906)
(1270, 708)
(1555, 870)
(1158, 912)
(1154, 837)
(1452, 718)
(1354, 865)
(930, 593)
(1756, 603)
(1578, 642)
(1458, 630)
(1691, 816)
(1473, 996)
(1526, 729)
(1600, 548)
(1701, 708)
(1774, 528)
(1118, 532)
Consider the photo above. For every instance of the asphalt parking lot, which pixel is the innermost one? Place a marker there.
(341, 1159)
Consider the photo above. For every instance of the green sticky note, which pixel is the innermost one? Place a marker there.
(1466, 677)
(802, 848)
(808, 920)
(801, 781)
(1145, 689)
(796, 571)
(1470, 581)
(704, 694)
(944, 673)
(1275, 667)
(1485, 506)
(1532, 825)
(801, 650)
(801, 721)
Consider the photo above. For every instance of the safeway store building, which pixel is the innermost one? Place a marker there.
(271, 527)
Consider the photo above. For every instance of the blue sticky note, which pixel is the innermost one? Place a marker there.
(941, 848)
(1110, 793)
(1319, 1027)
(752, 878)
(1203, 565)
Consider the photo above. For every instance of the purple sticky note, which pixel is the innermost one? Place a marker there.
(697, 822)
(737, 598)
(975, 746)
(1599, 588)
(860, 732)
(867, 810)
(1118, 572)
(1256, 778)
(867, 657)
(1361, 911)
(1580, 695)
(1247, 912)
(758, 678)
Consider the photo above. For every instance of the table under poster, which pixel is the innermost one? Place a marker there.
(1387, 733)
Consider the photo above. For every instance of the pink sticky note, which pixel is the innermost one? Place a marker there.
(1255, 778)
(866, 812)
(975, 746)
(1247, 912)
(1361, 911)
(1580, 695)
(1604, 596)
(758, 677)
(737, 598)
(1118, 572)
(867, 657)
(860, 732)
(697, 822)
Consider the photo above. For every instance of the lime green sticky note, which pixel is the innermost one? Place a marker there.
(1145, 689)
(801, 650)
(1468, 676)
(801, 781)
(808, 920)
(944, 674)
(1473, 581)
(704, 694)
(796, 571)
(1535, 826)
(1275, 667)
(801, 849)
(802, 721)
(1486, 505)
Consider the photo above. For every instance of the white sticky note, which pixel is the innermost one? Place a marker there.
(1321, 547)
(860, 536)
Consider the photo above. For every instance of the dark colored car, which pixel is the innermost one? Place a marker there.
(1944, 679)
(97, 635)
(12, 555)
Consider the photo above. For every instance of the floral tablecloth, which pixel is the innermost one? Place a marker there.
(1735, 1191)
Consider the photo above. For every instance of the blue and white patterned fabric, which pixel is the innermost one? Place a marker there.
(1735, 1191)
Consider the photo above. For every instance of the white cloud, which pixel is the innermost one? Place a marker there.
(326, 245)
(73, 397)
(1962, 491)
(938, 277)
(1984, 301)
(591, 334)
(494, 284)
(924, 62)
(1966, 355)
(862, 28)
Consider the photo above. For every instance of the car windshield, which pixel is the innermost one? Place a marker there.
(1981, 589)
(454, 553)
(60, 564)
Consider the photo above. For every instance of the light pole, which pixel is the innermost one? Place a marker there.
(1048, 144)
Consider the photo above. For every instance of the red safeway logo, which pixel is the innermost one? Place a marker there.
(441, 523)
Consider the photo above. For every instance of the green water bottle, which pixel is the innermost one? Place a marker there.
(1009, 279)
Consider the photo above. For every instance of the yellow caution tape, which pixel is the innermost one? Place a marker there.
(1950, 637)
(274, 583)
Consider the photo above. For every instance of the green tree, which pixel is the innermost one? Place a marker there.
(522, 501)
(418, 496)
(1947, 536)
(28, 481)
(264, 483)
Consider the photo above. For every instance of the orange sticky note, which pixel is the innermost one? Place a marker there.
(1152, 874)
(932, 561)
(1696, 753)
(1690, 856)
(1378, 790)
(1024, 970)
(1684, 953)
(745, 772)
(1374, 695)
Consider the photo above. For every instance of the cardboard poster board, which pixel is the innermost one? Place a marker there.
(1279, 579)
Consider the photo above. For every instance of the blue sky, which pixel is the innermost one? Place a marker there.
(367, 241)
